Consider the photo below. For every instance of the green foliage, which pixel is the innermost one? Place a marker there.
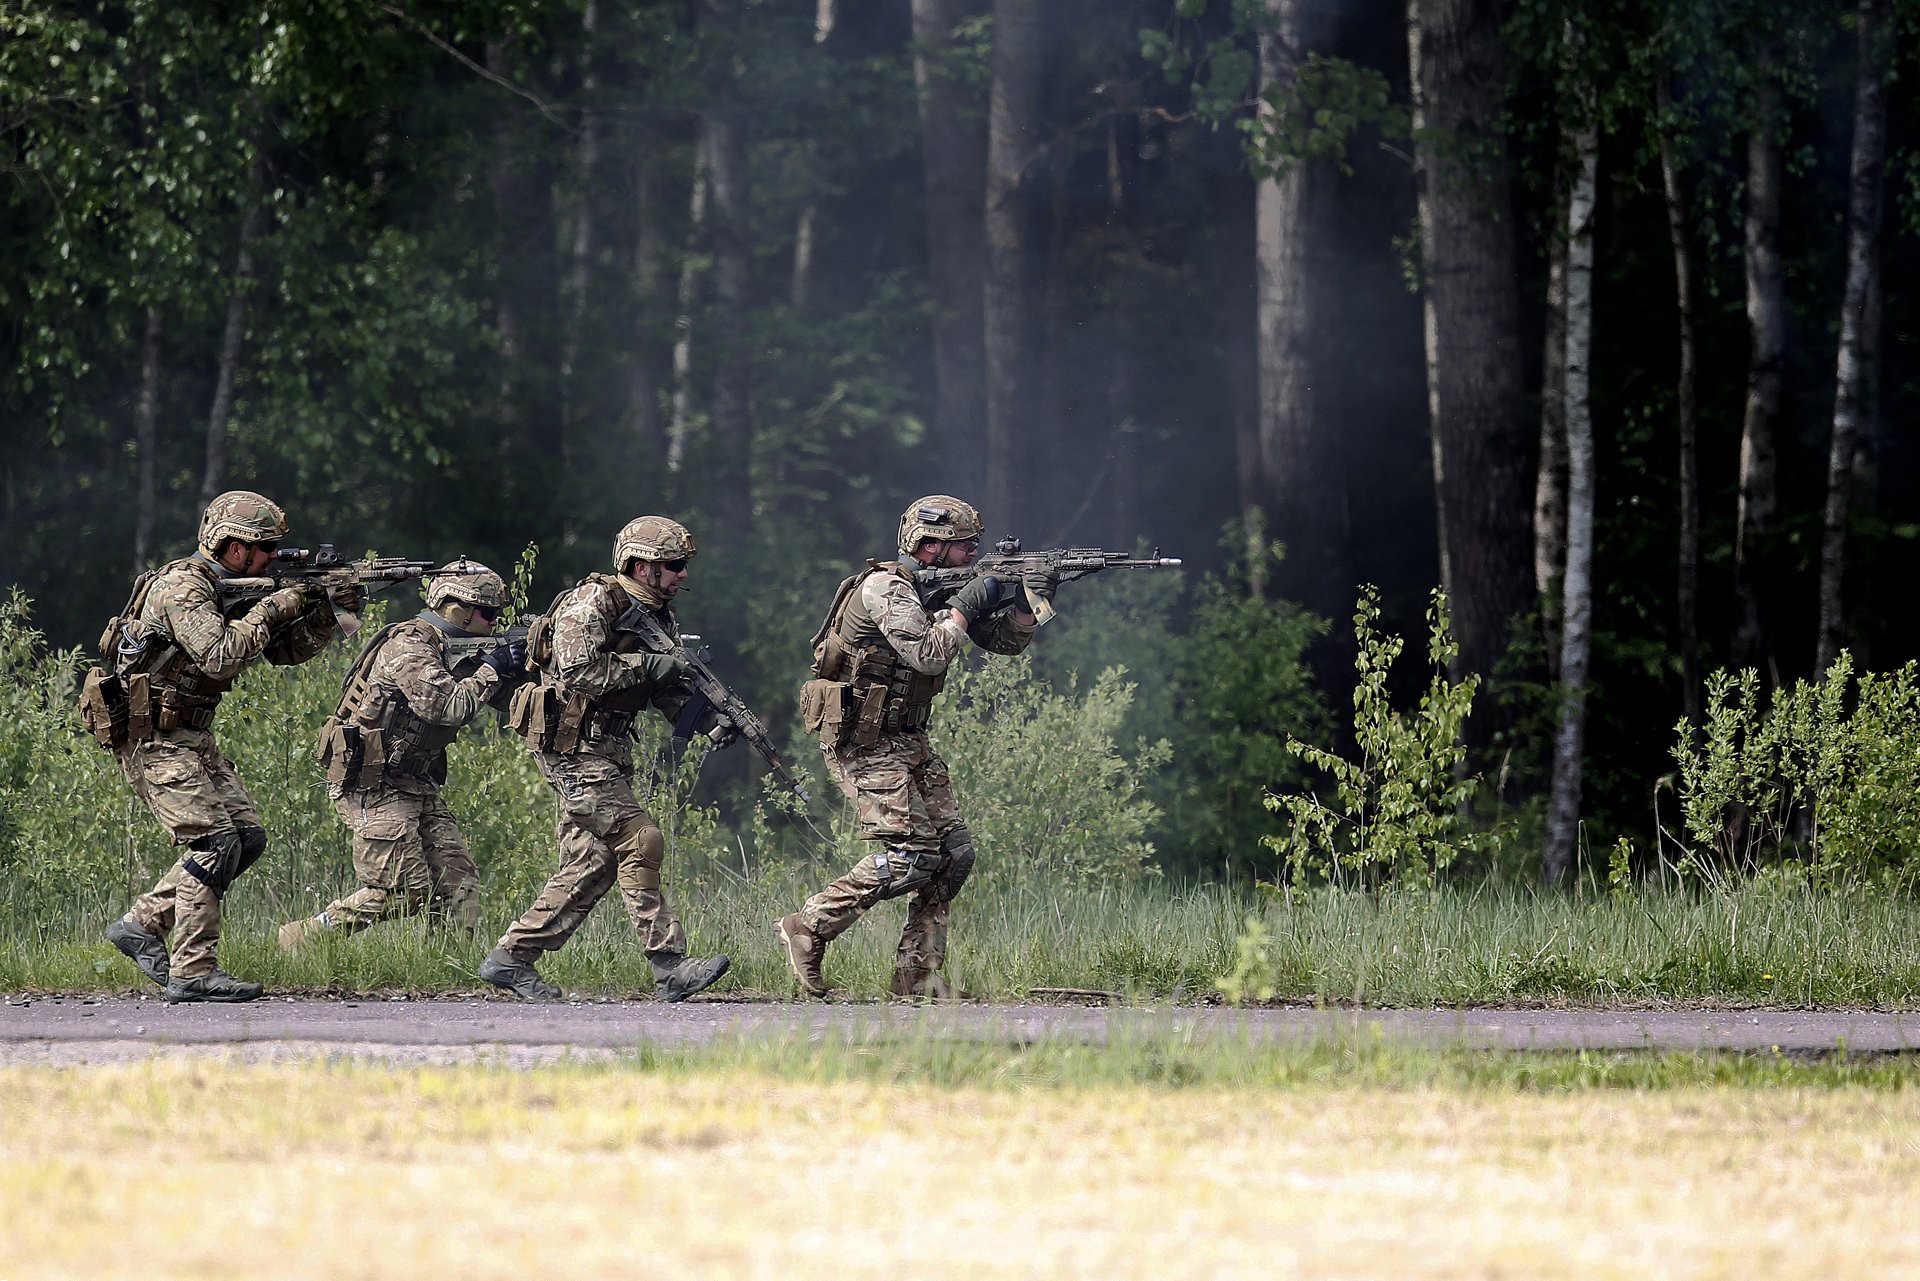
(1400, 808)
(1844, 751)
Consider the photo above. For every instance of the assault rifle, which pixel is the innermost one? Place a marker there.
(461, 648)
(323, 570)
(1007, 563)
(710, 694)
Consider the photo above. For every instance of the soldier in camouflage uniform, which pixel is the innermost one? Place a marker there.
(879, 660)
(385, 753)
(594, 680)
(175, 654)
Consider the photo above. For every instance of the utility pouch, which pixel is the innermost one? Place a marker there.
(567, 723)
(823, 710)
(533, 715)
(140, 718)
(103, 708)
(872, 717)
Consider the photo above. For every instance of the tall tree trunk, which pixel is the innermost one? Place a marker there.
(681, 422)
(1236, 333)
(730, 412)
(1686, 398)
(1563, 811)
(643, 390)
(1123, 442)
(1861, 559)
(1863, 265)
(239, 296)
(1550, 484)
(1015, 233)
(1481, 461)
(826, 18)
(953, 158)
(1299, 444)
(1766, 324)
(146, 437)
(579, 259)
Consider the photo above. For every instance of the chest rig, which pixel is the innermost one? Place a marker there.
(556, 719)
(862, 688)
(374, 733)
(148, 685)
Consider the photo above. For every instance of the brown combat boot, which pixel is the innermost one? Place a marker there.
(295, 935)
(803, 949)
(914, 983)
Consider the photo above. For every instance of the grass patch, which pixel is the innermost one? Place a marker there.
(1401, 1168)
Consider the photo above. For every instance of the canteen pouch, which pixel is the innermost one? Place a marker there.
(823, 710)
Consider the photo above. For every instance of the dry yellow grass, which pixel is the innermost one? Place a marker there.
(208, 1169)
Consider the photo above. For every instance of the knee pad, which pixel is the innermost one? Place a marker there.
(253, 843)
(216, 858)
(642, 847)
(957, 845)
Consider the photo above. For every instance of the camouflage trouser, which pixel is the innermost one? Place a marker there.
(606, 838)
(903, 799)
(408, 855)
(193, 790)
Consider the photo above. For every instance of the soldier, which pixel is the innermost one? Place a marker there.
(385, 753)
(175, 654)
(594, 679)
(878, 661)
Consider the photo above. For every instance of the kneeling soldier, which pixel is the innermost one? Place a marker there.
(595, 679)
(879, 660)
(385, 753)
(174, 655)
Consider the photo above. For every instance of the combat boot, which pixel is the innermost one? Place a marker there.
(295, 935)
(504, 970)
(912, 983)
(214, 985)
(144, 948)
(680, 977)
(804, 950)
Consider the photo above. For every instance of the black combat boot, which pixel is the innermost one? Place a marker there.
(505, 970)
(680, 977)
(215, 985)
(143, 948)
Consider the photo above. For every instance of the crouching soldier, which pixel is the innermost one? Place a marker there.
(385, 753)
(595, 677)
(174, 654)
(880, 658)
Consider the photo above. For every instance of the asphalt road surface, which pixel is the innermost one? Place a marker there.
(78, 1030)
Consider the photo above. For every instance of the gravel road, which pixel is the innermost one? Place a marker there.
(80, 1030)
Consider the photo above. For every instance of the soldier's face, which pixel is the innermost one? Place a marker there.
(958, 554)
(665, 576)
(248, 559)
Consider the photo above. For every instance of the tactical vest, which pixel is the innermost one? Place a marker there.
(862, 688)
(374, 733)
(150, 685)
(556, 719)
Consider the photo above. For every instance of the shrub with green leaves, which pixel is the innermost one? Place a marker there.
(1843, 752)
(1399, 811)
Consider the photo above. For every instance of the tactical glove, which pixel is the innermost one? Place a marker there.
(1037, 585)
(980, 597)
(509, 658)
(659, 669)
(283, 606)
(347, 597)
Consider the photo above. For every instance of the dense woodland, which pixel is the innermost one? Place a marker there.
(1595, 315)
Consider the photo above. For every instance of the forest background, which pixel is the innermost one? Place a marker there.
(1595, 316)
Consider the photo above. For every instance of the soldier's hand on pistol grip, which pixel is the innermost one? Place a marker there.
(659, 669)
(508, 658)
(347, 597)
(1036, 585)
(281, 607)
(980, 597)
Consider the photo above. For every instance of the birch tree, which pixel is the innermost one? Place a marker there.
(1766, 328)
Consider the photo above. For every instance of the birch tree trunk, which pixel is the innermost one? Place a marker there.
(580, 251)
(1863, 265)
(643, 390)
(1766, 325)
(953, 158)
(1299, 449)
(1563, 811)
(730, 413)
(239, 296)
(826, 17)
(1550, 483)
(146, 437)
(1482, 462)
(1686, 399)
(1015, 236)
(689, 297)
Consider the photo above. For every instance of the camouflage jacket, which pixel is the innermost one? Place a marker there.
(592, 659)
(404, 685)
(888, 608)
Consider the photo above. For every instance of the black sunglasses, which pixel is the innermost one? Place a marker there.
(675, 566)
(488, 612)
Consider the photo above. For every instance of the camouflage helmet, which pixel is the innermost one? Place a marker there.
(241, 514)
(466, 581)
(651, 538)
(940, 516)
